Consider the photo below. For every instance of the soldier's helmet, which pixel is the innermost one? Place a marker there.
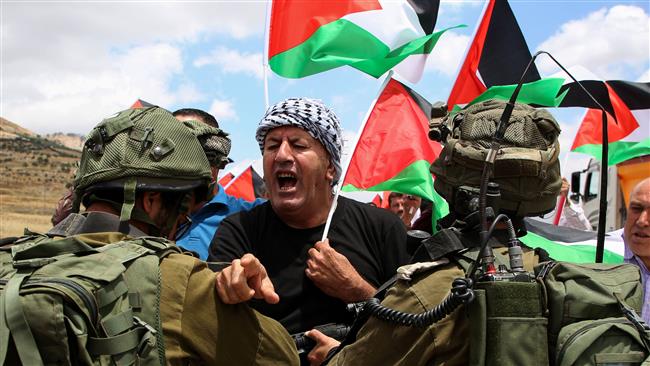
(526, 169)
(144, 149)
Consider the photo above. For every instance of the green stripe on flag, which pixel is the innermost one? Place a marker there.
(542, 92)
(619, 151)
(422, 45)
(414, 179)
(343, 42)
(569, 253)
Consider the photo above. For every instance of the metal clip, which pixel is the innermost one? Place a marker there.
(145, 138)
(144, 324)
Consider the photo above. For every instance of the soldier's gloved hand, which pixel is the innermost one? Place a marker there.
(333, 273)
(244, 279)
(323, 345)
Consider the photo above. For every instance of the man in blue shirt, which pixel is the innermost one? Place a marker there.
(199, 230)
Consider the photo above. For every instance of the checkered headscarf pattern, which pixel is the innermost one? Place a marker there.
(312, 116)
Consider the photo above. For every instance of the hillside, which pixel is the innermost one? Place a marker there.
(33, 174)
(71, 140)
(9, 129)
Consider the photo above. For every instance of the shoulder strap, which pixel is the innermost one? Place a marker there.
(8, 240)
(441, 244)
(49, 248)
(636, 320)
(17, 323)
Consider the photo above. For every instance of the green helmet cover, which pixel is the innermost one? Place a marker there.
(526, 168)
(142, 149)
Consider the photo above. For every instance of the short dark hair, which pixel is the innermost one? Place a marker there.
(394, 195)
(200, 115)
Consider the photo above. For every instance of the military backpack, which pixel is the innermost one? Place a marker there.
(65, 301)
(570, 314)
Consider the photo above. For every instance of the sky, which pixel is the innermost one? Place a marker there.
(66, 65)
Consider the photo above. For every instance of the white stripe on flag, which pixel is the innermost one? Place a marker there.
(395, 24)
(643, 131)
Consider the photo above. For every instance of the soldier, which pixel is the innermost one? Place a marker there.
(444, 257)
(140, 174)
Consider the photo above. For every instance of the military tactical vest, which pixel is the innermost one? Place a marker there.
(71, 302)
(570, 314)
(563, 314)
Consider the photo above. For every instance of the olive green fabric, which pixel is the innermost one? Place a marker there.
(586, 291)
(443, 343)
(609, 341)
(526, 166)
(215, 142)
(507, 325)
(148, 145)
(86, 304)
(586, 322)
(139, 299)
(200, 329)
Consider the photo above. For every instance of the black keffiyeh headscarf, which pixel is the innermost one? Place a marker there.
(312, 116)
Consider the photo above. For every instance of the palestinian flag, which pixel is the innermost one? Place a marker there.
(498, 55)
(571, 245)
(225, 179)
(394, 152)
(629, 134)
(248, 185)
(309, 37)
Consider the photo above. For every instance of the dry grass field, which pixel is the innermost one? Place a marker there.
(33, 175)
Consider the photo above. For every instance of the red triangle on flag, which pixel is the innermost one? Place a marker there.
(590, 131)
(498, 55)
(395, 136)
(141, 104)
(242, 186)
(248, 185)
(225, 179)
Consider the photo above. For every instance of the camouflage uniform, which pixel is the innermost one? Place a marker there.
(443, 343)
(198, 327)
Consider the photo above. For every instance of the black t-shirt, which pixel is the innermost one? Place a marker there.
(373, 240)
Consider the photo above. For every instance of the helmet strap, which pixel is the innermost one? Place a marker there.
(181, 209)
(127, 204)
(76, 200)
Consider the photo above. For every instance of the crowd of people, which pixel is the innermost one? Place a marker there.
(259, 272)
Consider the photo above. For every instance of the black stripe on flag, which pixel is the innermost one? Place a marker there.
(505, 52)
(634, 95)
(558, 233)
(424, 105)
(427, 11)
(259, 188)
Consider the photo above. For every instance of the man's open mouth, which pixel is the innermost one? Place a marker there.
(286, 181)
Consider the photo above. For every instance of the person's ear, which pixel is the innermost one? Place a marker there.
(330, 172)
(150, 202)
